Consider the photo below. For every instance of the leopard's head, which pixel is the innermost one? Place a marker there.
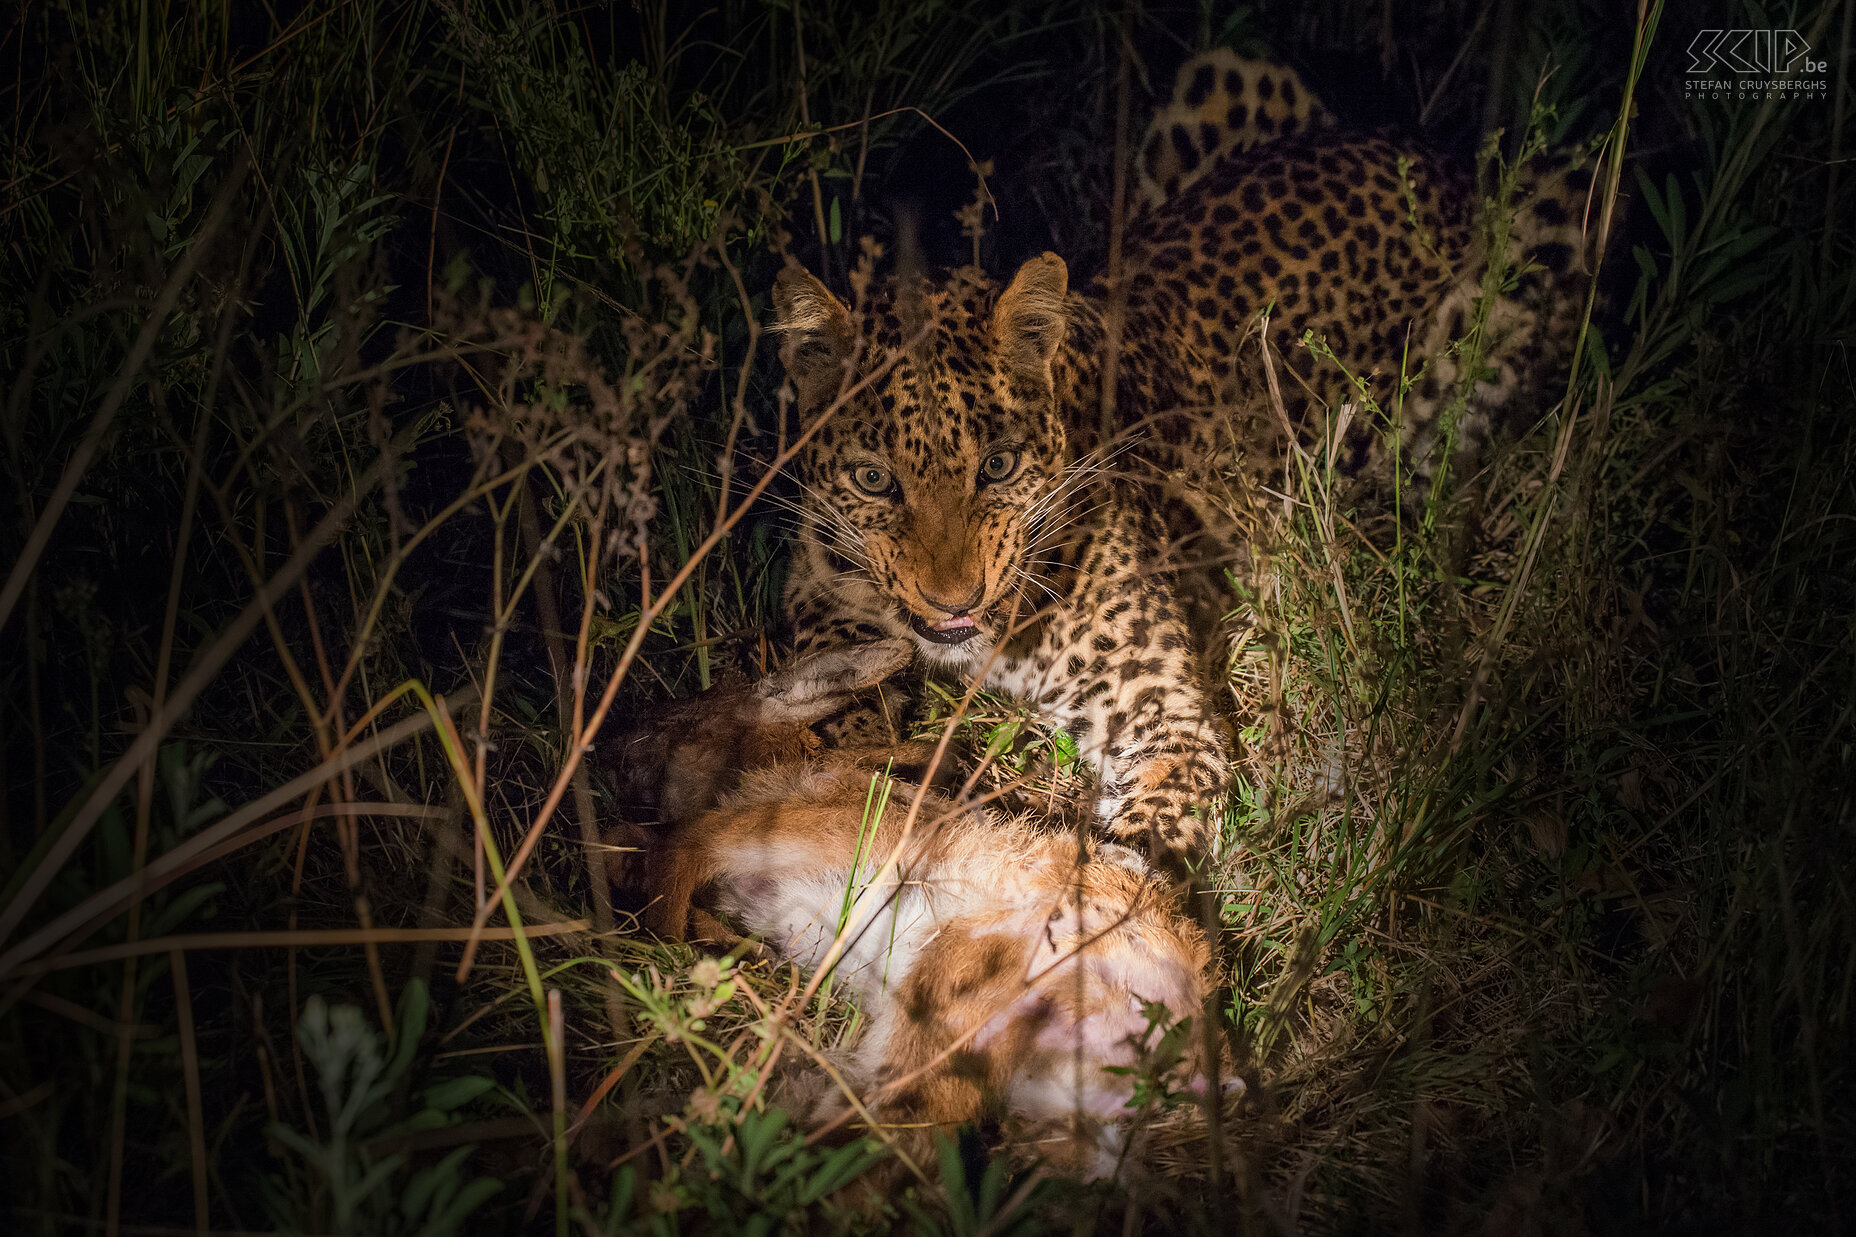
(941, 456)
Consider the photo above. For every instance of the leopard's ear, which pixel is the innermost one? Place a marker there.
(1030, 320)
(818, 334)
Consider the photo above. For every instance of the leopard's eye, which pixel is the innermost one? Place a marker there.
(872, 480)
(999, 465)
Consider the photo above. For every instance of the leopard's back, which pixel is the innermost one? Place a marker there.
(1349, 237)
(1373, 245)
(1221, 103)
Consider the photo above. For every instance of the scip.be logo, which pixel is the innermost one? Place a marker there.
(1752, 51)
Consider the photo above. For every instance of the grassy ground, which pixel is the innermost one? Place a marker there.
(383, 399)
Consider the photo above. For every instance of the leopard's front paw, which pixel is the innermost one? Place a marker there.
(1167, 804)
(1171, 829)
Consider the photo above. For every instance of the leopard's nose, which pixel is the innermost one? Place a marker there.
(954, 607)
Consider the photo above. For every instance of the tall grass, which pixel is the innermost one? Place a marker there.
(384, 407)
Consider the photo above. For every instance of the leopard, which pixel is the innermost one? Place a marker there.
(1002, 473)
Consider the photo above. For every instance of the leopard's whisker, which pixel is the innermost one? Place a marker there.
(833, 521)
(1047, 533)
(1048, 590)
(845, 542)
(1064, 484)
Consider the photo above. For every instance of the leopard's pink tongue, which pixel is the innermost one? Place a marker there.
(955, 624)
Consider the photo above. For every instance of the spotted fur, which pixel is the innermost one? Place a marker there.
(960, 489)
(1221, 103)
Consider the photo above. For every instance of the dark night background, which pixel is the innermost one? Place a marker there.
(315, 318)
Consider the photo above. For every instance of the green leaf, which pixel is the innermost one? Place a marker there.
(1654, 201)
(293, 1140)
(182, 908)
(835, 225)
(454, 1093)
(377, 1175)
(414, 1005)
(452, 1218)
(619, 1202)
(1597, 358)
(843, 1166)
(1002, 737)
(954, 1181)
(758, 1139)
(1063, 748)
(1678, 213)
(1739, 283)
(433, 1185)
(1646, 261)
(991, 1185)
(424, 1119)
